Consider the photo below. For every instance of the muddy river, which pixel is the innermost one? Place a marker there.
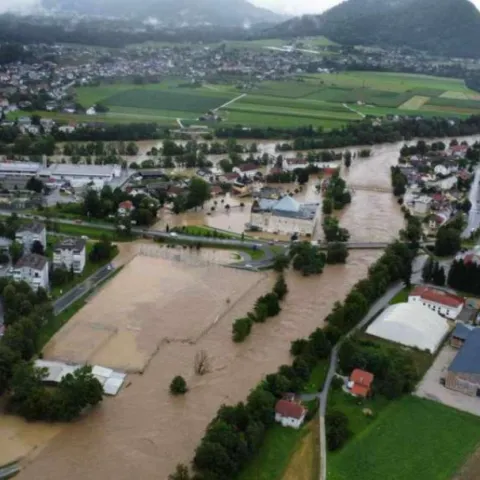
(160, 311)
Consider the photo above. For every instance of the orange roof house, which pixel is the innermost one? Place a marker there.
(360, 383)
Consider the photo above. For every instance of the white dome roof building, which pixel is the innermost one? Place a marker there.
(411, 325)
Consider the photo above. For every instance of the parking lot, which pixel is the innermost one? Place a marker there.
(431, 388)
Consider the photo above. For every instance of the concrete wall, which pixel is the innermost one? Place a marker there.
(467, 383)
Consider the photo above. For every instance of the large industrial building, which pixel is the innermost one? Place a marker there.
(285, 216)
(412, 325)
(72, 173)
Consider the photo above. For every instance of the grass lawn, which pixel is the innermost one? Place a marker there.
(400, 297)
(91, 232)
(413, 439)
(352, 407)
(275, 453)
(317, 377)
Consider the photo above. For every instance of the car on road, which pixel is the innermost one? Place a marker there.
(174, 234)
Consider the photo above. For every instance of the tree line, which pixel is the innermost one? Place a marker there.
(464, 276)
(266, 306)
(336, 194)
(26, 313)
(237, 431)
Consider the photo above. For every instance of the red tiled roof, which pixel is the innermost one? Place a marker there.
(296, 161)
(359, 390)
(230, 176)
(437, 296)
(289, 409)
(127, 205)
(361, 378)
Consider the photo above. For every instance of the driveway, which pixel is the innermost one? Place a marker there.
(431, 388)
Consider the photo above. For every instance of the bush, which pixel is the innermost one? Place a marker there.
(178, 386)
(280, 289)
(241, 329)
(337, 431)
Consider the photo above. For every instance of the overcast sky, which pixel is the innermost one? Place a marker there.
(303, 6)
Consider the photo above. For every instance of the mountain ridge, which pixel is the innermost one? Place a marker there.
(170, 12)
(446, 27)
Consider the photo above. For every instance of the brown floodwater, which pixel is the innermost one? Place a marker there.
(160, 310)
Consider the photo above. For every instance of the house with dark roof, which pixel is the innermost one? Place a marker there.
(70, 253)
(463, 374)
(285, 216)
(33, 269)
(30, 233)
(289, 413)
(440, 301)
(460, 334)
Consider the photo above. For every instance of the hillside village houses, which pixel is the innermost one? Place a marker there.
(70, 253)
(30, 233)
(32, 269)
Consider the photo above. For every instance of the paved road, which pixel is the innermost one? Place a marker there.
(474, 214)
(374, 310)
(81, 289)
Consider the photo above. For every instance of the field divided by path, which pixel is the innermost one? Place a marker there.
(326, 100)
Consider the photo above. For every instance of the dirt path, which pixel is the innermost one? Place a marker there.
(304, 462)
(231, 101)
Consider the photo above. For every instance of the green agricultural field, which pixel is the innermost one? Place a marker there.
(414, 103)
(167, 100)
(412, 439)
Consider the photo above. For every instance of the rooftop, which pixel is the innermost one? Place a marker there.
(34, 227)
(286, 207)
(80, 170)
(468, 358)
(73, 243)
(28, 167)
(289, 409)
(437, 296)
(32, 260)
(361, 377)
(462, 331)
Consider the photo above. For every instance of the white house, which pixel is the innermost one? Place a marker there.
(440, 301)
(247, 169)
(289, 414)
(285, 216)
(442, 170)
(290, 164)
(421, 205)
(30, 233)
(33, 269)
(70, 253)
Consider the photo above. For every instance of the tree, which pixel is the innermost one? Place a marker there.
(448, 241)
(438, 275)
(280, 263)
(302, 176)
(327, 206)
(198, 193)
(181, 473)
(201, 363)
(37, 248)
(35, 184)
(337, 253)
(427, 269)
(307, 258)
(347, 158)
(280, 288)
(226, 165)
(16, 251)
(178, 386)
(241, 329)
(102, 250)
(337, 430)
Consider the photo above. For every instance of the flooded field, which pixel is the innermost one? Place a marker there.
(144, 432)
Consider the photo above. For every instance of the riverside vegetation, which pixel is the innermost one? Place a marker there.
(236, 433)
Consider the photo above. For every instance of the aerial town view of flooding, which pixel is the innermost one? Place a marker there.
(238, 242)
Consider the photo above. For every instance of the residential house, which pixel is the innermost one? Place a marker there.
(229, 177)
(125, 208)
(440, 301)
(248, 169)
(360, 383)
(290, 164)
(28, 234)
(289, 413)
(70, 253)
(421, 205)
(463, 374)
(33, 269)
